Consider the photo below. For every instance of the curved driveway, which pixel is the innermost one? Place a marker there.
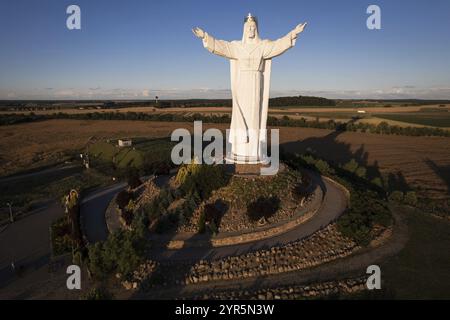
(334, 203)
(93, 209)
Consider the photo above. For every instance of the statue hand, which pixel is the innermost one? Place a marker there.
(299, 29)
(199, 33)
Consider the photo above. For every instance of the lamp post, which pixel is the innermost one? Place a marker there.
(11, 217)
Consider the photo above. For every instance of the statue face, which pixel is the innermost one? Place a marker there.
(251, 29)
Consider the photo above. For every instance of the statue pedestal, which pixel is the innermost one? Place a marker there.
(249, 170)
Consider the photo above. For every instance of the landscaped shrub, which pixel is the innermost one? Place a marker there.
(122, 252)
(97, 293)
(301, 190)
(167, 222)
(127, 216)
(377, 181)
(351, 166)
(212, 215)
(367, 200)
(133, 178)
(322, 166)
(202, 179)
(410, 198)
(364, 212)
(263, 207)
(123, 198)
(201, 224)
(61, 236)
(361, 172)
(396, 196)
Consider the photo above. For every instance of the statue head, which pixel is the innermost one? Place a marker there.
(250, 29)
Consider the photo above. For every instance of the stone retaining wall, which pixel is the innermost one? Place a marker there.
(310, 291)
(254, 235)
(323, 246)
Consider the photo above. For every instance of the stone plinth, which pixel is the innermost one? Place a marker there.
(249, 169)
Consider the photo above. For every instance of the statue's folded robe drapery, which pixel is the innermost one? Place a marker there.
(250, 65)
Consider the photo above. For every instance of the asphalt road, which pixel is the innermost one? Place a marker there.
(61, 170)
(26, 242)
(93, 209)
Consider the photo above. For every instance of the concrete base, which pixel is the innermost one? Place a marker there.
(249, 170)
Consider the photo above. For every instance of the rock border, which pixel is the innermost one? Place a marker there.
(254, 235)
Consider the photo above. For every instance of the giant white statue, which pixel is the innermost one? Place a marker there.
(250, 64)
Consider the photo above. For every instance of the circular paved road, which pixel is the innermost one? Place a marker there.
(335, 200)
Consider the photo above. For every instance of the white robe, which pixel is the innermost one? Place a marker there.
(250, 66)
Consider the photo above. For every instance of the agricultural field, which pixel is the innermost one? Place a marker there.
(403, 161)
(435, 119)
(372, 113)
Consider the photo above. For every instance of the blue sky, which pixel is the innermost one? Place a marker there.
(137, 49)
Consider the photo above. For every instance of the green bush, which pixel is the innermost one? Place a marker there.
(410, 198)
(97, 294)
(201, 224)
(122, 252)
(396, 196)
(377, 181)
(61, 236)
(202, 179)
(123, 199)
(351, 166)
(361, 172)
(263, 207)
(364, 211)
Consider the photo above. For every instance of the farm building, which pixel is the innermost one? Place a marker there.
(124, 143)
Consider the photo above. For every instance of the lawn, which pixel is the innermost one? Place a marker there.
(143, 151)
(422, 269)
(436, 119)
(33, 190)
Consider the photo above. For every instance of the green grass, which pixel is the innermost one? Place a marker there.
(333, 115)
(32, 190)
(422, 269)
(144, 150)
(103, 150)
(435, 119)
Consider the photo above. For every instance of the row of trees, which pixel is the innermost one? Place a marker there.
(381, 128)
(368, 203)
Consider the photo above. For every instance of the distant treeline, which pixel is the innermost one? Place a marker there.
(417, 102)
(184, 103)
(274, 102)
(381, 128)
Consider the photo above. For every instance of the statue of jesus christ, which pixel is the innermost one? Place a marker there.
(250, 64)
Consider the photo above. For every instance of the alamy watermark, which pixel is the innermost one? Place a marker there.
(73, 281)
(213, 152)
(373, 22)
(374, 280)
(73, 21)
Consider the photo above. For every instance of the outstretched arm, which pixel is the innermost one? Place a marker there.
(219, 47)
(277, 47)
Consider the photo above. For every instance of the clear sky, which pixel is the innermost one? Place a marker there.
(138, 49)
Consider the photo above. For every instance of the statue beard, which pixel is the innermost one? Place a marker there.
(247, 36)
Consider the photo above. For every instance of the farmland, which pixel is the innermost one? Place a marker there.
(420, 162)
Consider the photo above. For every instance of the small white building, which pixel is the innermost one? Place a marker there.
(124, 142)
